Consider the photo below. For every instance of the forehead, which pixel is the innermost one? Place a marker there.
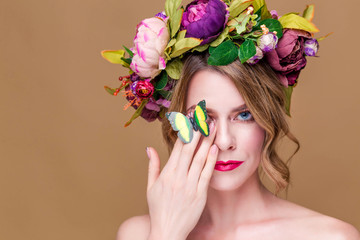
(219, 92)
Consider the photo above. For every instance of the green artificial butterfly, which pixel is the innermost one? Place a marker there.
(185, 125)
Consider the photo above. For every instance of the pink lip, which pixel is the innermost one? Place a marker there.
(227, 166)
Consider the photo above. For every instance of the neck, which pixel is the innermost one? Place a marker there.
(246, 204)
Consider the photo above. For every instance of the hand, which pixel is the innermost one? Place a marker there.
(177, 196)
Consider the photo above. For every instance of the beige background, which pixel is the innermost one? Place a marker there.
(69, 170)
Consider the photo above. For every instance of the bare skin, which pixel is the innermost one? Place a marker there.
(190, 200)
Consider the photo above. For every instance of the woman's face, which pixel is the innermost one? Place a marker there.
(238, 136)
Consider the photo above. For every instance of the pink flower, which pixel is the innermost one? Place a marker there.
(288, 59)
(150, 42)
(144, 89)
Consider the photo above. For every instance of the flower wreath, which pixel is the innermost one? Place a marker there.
(228, 29)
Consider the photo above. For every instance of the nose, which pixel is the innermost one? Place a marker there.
(224, 139)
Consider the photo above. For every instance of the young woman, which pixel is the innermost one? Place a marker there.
(197, 195)
(244, 61)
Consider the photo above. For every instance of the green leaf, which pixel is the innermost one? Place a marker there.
(220, 38)
(272, 25)
(181, 35)
(238, 6)
(166, 94)
(174, 12)
(137, 112)
(288, 92)
(254, 34)
(173, 68)
(184, 45)
(201, 48)
(260, 4)
(131, 54)
(175, 21)
(110, 90)
(115, 56)
(223, 54)
(113, 90)
(171, 6)
(211, 50)
(247, 50)
(308, 13)
(258, 14)
(296, 22)
(170, 44)
(323, 37)
(127, 60)
(162, 81)
(241, 27)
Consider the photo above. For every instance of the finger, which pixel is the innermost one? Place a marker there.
(154, 166)
(187, 155)
(208, 169)
(174, 156)
(200, 157)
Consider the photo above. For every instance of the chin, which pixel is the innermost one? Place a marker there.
(226, 181)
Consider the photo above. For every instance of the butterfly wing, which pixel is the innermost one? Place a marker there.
(181, 123)
(200, 116)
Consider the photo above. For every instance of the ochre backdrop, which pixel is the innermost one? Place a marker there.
(69, 170)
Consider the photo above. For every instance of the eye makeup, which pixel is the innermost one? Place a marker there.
(241, 110)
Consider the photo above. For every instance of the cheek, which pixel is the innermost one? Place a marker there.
(251, 139)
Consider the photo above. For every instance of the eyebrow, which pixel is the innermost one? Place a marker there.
(210, 110)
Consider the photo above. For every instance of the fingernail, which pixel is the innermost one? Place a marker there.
(148, 152)
(213, 149)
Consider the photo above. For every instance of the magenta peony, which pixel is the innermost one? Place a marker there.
(143, 89)
(288, 59)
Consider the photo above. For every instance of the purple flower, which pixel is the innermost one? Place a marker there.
(163, 102)
(162, 15)
(152, 109)
(134, 77)
(311, 47)
(149, 115)
(274, 14)
(256, 58)
(267, 42)
(155, 106)
(152, 106)
(288, 59)
(204, 19)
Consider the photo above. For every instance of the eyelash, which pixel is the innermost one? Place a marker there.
(248, 120)
(251, 119)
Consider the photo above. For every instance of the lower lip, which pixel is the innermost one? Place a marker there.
(227, 167)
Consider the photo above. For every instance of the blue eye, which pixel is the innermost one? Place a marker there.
(245, 116)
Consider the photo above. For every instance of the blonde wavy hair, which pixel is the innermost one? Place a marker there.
(265, 98)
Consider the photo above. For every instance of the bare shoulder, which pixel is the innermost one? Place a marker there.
(137, 227)
(334, 228)
(327, 227)
(347, 231)
(311, 223)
